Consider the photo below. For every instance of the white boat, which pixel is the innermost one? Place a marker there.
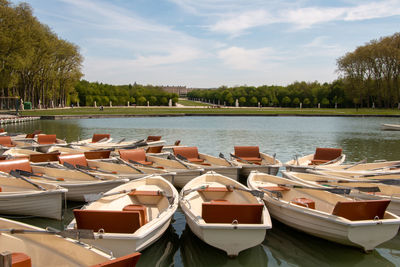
(143, 209)
(96, 138)
(249, 158)
(41, 143)
(360, 188)
(337, 218)
(363, 167)
(175, 171)
(78, 183)
(28, 245)
(222, 213)
(391, 127)
(24, 197)
(191, 156)
(321, 157)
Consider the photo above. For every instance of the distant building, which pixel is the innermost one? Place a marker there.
(181, 91)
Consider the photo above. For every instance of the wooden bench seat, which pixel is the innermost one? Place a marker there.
(361, 210)
(97, 137)
(110, 221)
(74, 159)
(215, 189)
(15, 164)
(222, 212)
(138, 155)
(150, 197)
(46, 139)
(45, 157)
(6, 141)
(144, 193)
(276, 188)
(248, 153)
(324, 155)
(154, 149)
(140, 208)
(153, 138)
(103, 154)
(190, 153)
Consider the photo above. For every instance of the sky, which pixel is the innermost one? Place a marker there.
(211, 43)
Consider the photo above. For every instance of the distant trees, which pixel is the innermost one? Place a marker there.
(371, 73)
(309, 94)
(35, 64)
(119, 95)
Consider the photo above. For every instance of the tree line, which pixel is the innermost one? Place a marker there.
(39, 67)
(368, 77)
(35, 64)
(90, 93)
(371, 72)
(309, 94)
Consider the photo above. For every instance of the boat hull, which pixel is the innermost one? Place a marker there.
(182, 177)
(365, 236)
(77, 191)
(269, 169)
(229, 239)
(42, 204)
(122, 245)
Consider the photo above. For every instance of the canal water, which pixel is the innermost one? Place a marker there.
(360, 138)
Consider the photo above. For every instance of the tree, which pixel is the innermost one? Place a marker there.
(142, 101)
(242, 101)
(264, 101)
(286, 101)
(253, 101)
(296, 102)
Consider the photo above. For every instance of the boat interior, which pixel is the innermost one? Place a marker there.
(215, 202)
(143, 202)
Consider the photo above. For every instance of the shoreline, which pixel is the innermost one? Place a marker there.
(99, 116)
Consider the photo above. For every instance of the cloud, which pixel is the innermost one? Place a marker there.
(247, 59)
(242, 16)
(236, 24)
(374, 10)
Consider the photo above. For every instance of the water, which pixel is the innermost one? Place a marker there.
(360, 138)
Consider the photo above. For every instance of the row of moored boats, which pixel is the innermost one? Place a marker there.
(131, 195)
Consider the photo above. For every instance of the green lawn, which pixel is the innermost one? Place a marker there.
(205, 110)
(191, 103)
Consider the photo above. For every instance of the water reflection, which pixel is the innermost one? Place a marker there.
(195, 252)
(162, 252)
(288, 246)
